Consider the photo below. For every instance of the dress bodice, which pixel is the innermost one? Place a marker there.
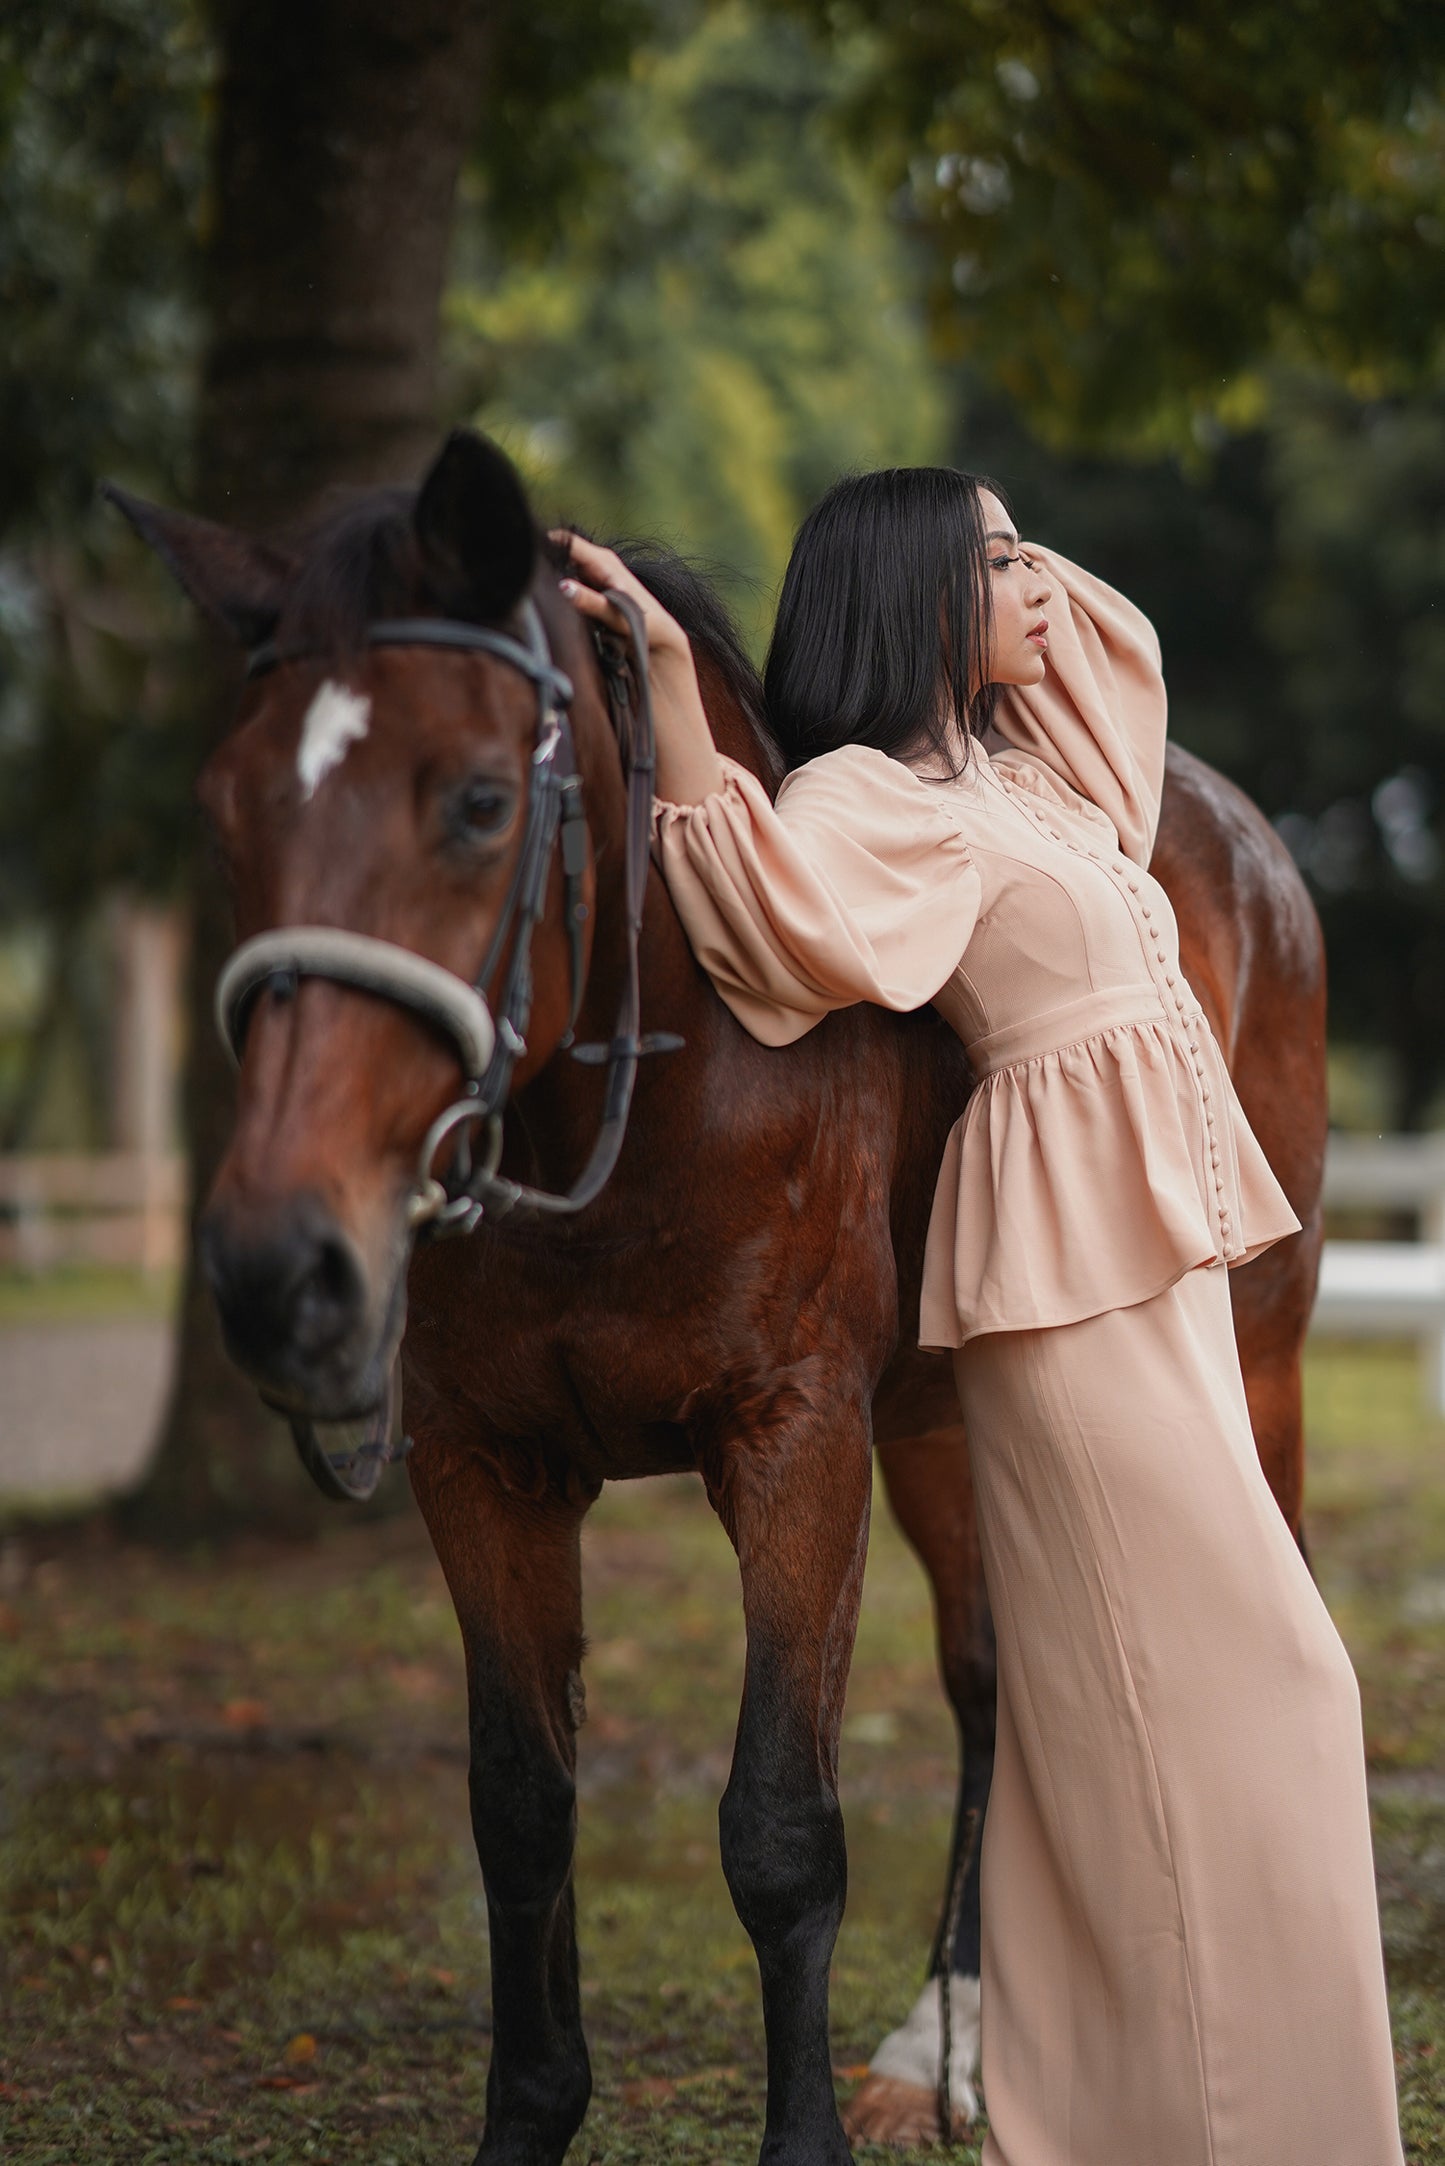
(1104, 1152)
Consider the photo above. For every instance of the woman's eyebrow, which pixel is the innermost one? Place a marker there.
(1010, 536)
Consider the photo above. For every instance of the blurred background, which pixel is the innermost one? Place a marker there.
(1174, 274)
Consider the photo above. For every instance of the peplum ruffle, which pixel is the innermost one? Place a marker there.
(1092, 1174)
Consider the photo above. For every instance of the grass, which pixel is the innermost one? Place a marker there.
(244, 1917)
(81, 1292)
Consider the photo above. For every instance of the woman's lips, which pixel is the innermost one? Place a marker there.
(1039, 636)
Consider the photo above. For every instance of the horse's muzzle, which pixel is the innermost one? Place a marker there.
(292, 1294)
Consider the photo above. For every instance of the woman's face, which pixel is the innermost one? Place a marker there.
(1020, 595)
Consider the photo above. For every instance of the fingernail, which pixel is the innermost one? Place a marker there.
(569, 586)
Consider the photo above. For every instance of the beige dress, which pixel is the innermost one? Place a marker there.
(1181, 1952)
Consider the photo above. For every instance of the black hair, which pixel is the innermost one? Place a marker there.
(884, 618)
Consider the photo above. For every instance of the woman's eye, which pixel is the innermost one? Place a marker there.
(1001, 564)
(479, 809)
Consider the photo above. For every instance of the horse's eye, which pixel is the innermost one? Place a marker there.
(479, 809)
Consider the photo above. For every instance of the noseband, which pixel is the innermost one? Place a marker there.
(489, 1045)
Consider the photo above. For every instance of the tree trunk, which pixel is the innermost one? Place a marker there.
(341, 130)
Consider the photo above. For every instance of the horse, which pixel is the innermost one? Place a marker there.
(737, 1299)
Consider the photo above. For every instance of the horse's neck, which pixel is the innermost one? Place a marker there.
(558, 1108)
(732, 732)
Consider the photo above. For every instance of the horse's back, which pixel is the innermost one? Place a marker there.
(1252, 949)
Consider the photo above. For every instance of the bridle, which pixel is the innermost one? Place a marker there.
(490, 1045)
(489, 1041)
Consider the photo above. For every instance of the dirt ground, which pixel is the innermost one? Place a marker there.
(243, 1920)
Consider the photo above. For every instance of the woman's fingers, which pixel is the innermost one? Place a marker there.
(590, 603)
(590, 554)
(601, 568)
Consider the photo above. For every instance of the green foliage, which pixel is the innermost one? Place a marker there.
(726, 319)
(1133, 208)
(1356, 613)
(102, 144)
(536, 148)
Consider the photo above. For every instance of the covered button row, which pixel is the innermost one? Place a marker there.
(1146, 910)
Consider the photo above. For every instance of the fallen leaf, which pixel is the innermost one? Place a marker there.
(244, 1714)
(301, 2048)
(854, 2073)
(415, 1680)
(285, 2083)
(648, 2091)
(183, 2002)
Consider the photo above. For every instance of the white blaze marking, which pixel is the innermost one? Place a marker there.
(335, 720)
(912, 2053)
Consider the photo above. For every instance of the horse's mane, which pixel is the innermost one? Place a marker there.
(686, 593)
(360, 561)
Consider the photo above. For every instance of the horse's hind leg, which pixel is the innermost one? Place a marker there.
(928, 1485)
(513, 1567)
(797, 1513)
(1272, 1300)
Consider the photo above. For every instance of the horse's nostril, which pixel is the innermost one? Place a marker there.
(287, 1285)
(325, 1298)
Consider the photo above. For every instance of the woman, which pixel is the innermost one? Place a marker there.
(1181, 1951)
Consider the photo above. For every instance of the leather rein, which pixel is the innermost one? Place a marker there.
(491, 1042)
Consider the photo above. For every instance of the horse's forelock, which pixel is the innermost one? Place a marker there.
(361, 560)
(358, 562)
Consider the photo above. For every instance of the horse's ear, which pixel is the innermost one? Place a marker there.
(236, 582)
(475, 530)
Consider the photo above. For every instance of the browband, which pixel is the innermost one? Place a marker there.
(533, 659)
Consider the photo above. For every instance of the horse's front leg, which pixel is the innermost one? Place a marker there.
(512, 1564)
(795, 1501)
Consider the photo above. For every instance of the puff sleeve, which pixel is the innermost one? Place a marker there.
(1098, 719)
(857, 885)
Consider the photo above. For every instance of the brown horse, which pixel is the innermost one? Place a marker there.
(737, 1300)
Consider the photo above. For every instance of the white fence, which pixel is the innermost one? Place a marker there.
(120, 1207)
(127, 1208)
(1388, 1289)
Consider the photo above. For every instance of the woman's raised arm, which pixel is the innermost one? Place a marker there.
(856, 885)
(1099, 716)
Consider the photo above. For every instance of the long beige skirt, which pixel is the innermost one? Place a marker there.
(1181, 1944)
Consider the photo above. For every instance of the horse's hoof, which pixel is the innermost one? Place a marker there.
(884, 2109)
(898, 2102)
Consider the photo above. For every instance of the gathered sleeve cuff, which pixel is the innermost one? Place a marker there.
(856, 885)
(1098, 718)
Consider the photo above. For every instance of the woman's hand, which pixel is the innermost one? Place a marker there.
(603, 568)
(688, 768)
